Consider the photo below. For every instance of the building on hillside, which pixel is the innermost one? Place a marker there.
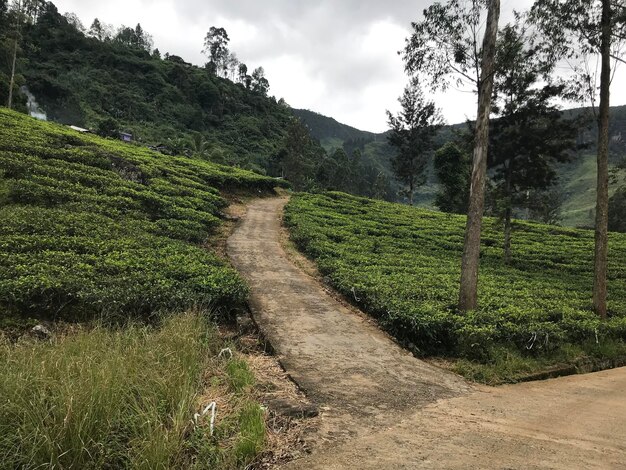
(126, 137)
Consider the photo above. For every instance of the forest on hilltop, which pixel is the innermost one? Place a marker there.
(111, 80)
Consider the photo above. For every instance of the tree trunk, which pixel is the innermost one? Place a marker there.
(507, 217)
(602, 205)
(468, 295)
(15, 44)
(507, 236)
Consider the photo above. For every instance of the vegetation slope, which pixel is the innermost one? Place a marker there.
(401, 265)
(95, 229)
(577, 179)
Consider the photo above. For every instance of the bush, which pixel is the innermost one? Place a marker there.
(402, 265)
(94, 227)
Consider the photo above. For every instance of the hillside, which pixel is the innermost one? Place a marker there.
(577, 178)
(103, 246)
(401, 265)
(96, 227)
(111, 85)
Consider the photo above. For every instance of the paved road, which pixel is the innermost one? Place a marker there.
(382, 408)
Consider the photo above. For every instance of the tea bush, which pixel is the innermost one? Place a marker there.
(402, 265)
(94, 227)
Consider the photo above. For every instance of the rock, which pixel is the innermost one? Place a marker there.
(293, 409)
(41, 332)
(245, 324)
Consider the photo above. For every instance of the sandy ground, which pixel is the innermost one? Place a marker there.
(381, 408)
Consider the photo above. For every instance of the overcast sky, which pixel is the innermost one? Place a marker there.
(336, 57)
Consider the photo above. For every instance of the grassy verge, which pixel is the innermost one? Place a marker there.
(402, 265)
(126, 398)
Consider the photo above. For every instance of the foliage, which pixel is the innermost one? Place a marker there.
(445, 46)
(84, 79)
(573, 29)
(401, 265)
(412, 134)
(216, 48)
(617, 211)
(97, 227)
(123, 398)
(452, 167)
(529, 137)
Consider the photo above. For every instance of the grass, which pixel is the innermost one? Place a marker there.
(402, 265)
(97, 230)
(125, 398)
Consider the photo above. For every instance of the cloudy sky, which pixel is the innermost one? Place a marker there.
(336, 57)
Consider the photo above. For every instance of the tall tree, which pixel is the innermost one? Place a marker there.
(243, 72)
(413, 130)
(18, 12)
(96, 30)
(468, 293)
(259, 84)
(216, 47)
(445, 47)
(530, 135)
(577, 29)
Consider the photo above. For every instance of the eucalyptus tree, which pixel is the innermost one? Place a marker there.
(216, 47)
(446, 47)
(578, 30)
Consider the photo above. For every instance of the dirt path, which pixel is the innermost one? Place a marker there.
(382, 408)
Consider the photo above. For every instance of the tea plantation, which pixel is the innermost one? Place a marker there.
(402, 265)
(98, 228)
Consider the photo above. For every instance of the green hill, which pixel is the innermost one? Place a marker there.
(96, 227)
(92, 83)
(577, 178)
(402, 265)
(99, 233)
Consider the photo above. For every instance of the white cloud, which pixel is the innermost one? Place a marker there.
(335, 57)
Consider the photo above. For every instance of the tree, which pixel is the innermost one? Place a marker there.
(530, 135)
(545, 205)
(299, 156)
(412, 133)
(259, 84)
(577, 29)
(243, 72)
(74, 20)
(99, 31)
(134, 37)
(18, 12)
(468, 292)
(231, 66)
(216, 47)
(445, 46)
(452, 167)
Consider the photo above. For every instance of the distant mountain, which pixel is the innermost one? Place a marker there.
(577, 178)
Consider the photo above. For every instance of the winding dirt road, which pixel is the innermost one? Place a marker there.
(381, 408)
